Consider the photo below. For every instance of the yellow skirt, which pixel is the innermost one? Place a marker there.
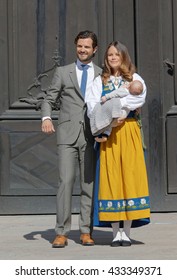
(123, 186)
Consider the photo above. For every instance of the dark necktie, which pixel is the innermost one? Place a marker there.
(84, 78)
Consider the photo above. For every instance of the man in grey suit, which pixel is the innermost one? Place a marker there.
(74, 138)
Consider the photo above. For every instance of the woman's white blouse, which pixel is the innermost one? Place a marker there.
(130, 101)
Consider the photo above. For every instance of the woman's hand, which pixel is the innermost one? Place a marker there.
(117, 122)
(103, 99)
(102, 139)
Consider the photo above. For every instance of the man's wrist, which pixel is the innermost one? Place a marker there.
(46, 118)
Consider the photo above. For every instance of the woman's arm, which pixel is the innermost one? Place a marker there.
(133, 102)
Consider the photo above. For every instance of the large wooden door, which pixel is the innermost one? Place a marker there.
(170, 107)
(156, 30)
(37, 34)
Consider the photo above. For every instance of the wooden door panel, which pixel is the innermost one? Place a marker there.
(28, 163)
(171, 127)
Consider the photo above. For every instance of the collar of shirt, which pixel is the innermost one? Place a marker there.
(79, 63)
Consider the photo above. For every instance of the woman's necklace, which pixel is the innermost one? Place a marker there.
(116, 81)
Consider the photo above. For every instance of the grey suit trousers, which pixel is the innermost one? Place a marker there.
(81, 152)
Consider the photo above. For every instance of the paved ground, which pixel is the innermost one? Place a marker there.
(30, 237)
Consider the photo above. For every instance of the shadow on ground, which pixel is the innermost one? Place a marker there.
(101, 237)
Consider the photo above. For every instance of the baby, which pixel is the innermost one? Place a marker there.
(106, 114)
(135, 88)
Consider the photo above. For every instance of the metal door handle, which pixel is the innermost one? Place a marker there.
(170, 66)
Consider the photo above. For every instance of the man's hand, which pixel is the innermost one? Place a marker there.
(47, 126)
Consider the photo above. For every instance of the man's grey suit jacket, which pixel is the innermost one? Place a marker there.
(72, 113)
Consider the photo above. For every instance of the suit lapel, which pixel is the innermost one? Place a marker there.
(74, 80)
(97, 70)
(73, 76)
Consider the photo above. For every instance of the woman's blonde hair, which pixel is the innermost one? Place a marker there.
(126, 69)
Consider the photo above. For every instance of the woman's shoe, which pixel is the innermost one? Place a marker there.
(116, 243)
(125, 240)
(125, 243)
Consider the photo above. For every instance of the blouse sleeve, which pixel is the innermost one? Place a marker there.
(94, 95)
(133, 102)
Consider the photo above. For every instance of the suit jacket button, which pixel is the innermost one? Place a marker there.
(81, 122)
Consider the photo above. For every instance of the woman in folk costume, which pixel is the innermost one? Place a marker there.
(121, 188)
